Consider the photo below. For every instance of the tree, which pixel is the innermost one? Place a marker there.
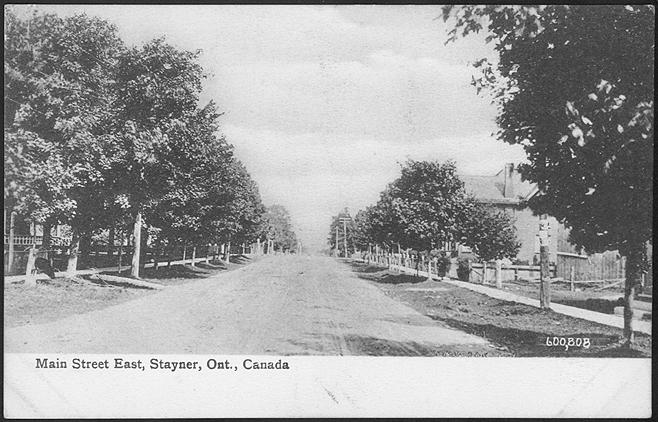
(574, 86)
(362, 229)
(345, 233)
(489, 232)
(158, 88)
(278, 228)
(58, 94)
(421, 208)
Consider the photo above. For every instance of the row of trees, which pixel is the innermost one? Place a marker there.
(423, 209)
(574, 85)
(104, 136)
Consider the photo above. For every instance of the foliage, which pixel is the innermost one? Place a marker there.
(362, 230)
(443, 264)
(57, 97)
(96, 132)
(463, 269)
(489, 232)
(346, 233)
(574, 86)
(422, 207)
(278, 228)
(426, 206)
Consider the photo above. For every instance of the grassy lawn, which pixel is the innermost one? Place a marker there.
(60, 297)
(518, 329)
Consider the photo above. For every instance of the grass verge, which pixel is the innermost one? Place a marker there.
(58, 298)
(517, 329)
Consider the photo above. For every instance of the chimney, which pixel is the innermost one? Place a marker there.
(508, 187)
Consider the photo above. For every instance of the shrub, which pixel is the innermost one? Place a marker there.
(443, 265)
(463, 270)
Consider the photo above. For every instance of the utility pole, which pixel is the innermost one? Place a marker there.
(336, 245)
(344, 220)
(345, 237)
(544, 268)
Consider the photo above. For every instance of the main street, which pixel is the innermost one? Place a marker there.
(279, 305)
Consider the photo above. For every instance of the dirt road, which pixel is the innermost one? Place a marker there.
(283, 305)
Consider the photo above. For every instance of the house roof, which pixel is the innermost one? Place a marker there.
(489, 189)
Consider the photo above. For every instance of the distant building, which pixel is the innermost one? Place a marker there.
(507, 191)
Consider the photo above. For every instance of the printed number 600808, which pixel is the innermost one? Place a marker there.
(567, 342)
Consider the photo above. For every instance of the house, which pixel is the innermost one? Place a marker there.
(20, 234)
(506, 190)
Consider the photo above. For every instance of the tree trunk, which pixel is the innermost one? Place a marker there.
(193, 255)
(227, 252)
(484, 271)
(110, 240)
(137, 245)
(73, 254)
(12, 231)
(120, 250)
(85, 245)
(47, 240)
(499, 274)
(144, 250)
(544, 278)
(634, 258)
(30, 276)
(156, 255)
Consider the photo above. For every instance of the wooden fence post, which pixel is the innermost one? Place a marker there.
(30, 276)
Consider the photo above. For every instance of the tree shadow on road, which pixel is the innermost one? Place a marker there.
(382, 275)
(239, 259)
(164, 272)
(361, 267)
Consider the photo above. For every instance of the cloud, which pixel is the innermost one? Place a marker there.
(317, 174)
(384, 95)
(321, 102)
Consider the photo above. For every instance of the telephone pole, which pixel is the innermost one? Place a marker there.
(345, 237)
(544, 266)
(344, 220)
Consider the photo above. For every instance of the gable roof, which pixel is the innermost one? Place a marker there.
(489, 189)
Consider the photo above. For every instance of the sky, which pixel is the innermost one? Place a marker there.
(323, 103)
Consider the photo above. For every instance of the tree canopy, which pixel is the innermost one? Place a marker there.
(278, 228)
(427, 206)
(99, 133)
(574, 86)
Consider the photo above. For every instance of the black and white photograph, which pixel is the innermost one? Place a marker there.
(315, 210)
